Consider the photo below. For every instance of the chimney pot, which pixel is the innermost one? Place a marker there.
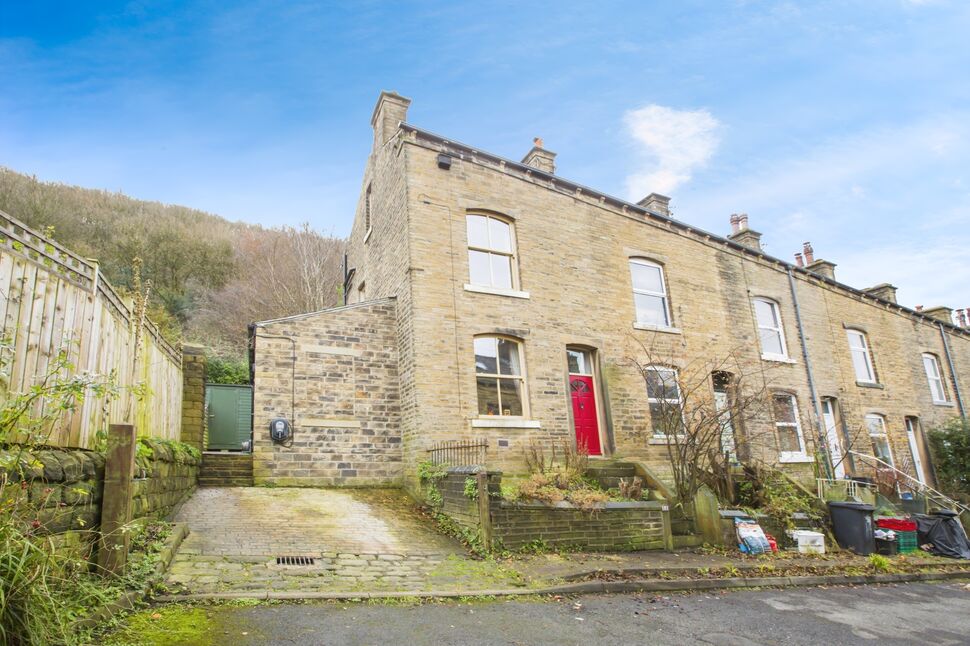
(919, 308)
(742, 234)
(537, 141)
(798, 260)
(809, 253)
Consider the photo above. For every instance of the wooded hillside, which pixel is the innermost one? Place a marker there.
(210, 277)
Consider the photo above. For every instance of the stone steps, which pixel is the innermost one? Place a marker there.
(226, 470)
(608, 473)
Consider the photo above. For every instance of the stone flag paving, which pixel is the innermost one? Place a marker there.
(359, 539)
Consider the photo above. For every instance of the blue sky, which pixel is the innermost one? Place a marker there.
(843, 123)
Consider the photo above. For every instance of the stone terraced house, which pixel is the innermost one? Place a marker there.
(491, 299)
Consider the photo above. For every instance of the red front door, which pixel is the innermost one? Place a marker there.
(584, 413)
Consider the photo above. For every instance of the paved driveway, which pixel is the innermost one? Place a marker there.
(359, 539)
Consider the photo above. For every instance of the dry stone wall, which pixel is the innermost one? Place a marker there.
(65, 486)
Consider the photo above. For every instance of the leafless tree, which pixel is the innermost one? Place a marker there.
(280, 272)
(704, 409)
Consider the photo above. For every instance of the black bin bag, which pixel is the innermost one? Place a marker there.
(944, 531)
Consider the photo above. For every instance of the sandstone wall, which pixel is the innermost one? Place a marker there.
(340, 396)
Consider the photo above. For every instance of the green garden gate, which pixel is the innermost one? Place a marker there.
(229, 413)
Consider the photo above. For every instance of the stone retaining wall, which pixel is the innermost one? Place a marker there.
(616, 527)
(66, 485)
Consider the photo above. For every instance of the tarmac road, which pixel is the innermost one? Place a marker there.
(874, 615)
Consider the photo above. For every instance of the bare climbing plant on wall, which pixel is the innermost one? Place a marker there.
(701, 411)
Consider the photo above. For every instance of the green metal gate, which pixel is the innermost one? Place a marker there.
(229, 412)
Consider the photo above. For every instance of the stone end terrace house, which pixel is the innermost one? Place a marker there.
(491, 299)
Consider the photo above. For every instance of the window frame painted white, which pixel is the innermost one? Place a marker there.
(499, 376)
(866, 352)
(790, 456)
(882, 435)
(832, 436)
(778, 329)
(490, 250)
(937, 378)
(663, 294)
(911, 430)
(675, 401)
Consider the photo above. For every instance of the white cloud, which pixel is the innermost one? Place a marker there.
(674, 143)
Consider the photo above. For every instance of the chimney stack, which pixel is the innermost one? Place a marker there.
(798, 260)
(741, 234)
(540, 158)
(817, 265)
(389, 113)
(657, 203)
(884, 291)
(940, 313)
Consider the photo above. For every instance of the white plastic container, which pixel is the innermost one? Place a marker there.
(808, 542)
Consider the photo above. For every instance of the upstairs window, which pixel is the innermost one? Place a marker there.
(791, 442)
(935, 378)
(770, 330)
(880, 440)
(499, 376)
(491, 252)
(649, 293)
(861, 358)
(666, 406)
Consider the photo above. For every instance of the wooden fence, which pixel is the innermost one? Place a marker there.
(52, 300)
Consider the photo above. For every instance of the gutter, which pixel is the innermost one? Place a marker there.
(464, 151)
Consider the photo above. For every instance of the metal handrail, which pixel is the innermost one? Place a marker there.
(851, 486)
(920, 487)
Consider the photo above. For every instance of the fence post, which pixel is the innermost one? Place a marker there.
(119, 472)
(484, 513)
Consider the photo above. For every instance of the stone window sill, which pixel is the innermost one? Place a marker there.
(367, 235)
(656, 328)
(795, 458)
(869, 384)
(496, 291)
(505, 422)
(945, 404)
(664, 440)
(778, 359)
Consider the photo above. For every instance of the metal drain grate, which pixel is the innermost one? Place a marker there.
(295, 560)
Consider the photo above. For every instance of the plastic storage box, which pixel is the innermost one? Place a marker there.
(808, 542)
(906, 542)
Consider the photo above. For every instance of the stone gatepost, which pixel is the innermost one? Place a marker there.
(193, 395)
